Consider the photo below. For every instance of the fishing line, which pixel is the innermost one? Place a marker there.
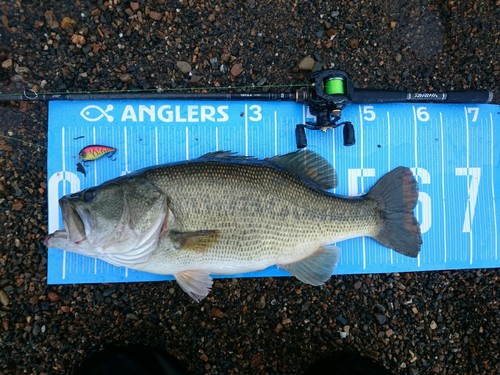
(23, 141)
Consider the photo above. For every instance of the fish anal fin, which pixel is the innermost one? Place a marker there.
(198, 241)
(317, 268)
(197, 284)
(309, 165)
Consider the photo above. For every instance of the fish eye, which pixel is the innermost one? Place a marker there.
(88, 195)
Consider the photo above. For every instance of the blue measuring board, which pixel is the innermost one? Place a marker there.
(453, 150)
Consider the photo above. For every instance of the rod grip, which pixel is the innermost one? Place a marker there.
(377, 96)
(469, 96)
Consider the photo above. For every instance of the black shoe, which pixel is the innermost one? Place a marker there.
(131, 360)
(341, 363)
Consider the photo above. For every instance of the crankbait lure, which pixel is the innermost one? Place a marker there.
(94, 152)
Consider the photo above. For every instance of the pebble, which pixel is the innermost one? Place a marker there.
(382, 319)
(354, 43)
(78, 39)
(4, 299)
(67, 22)
(217, 313)
(53, 297)
(398, 57)
(307, 63)
(433, 325)
(184, 66)
(7, 64)
(236, 70)
(134, 5)
(157, 16)
(125, 77)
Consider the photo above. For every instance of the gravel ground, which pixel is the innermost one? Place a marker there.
(411, 323)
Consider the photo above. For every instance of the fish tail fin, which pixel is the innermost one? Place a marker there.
(396, 194)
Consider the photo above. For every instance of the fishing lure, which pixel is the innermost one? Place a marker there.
(94, 152)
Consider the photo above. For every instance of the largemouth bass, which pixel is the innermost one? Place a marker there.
(224, 214)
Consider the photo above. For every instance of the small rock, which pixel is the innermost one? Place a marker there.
(204, 357)
(53, 297)
(4, 299)
(354, 43)
(236, 70)
(217, 313)
(134, 5)
(78, 39)
(307, 63)
(17, 205)
(125, 77)
(286, 321)
(330, 33)
(155, 15)
(7, 64)
(398, 57)
(214, 62)
(357, 285)
(223, 69)
(67, 22)
(184, 66)
(50, 19)
(393, 24)
(433, 325)
(381, 318)
(389, 332)
(342, 320)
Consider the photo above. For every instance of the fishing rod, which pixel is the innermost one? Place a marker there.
(328, 93)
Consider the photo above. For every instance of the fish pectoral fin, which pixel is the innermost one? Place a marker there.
(197, 284)
(198, 241)
(317, 268)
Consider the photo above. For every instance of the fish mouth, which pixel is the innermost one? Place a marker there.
(74, 225)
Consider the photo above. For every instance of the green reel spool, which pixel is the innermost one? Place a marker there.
(334, 86)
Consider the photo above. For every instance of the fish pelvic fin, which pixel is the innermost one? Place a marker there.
(396, 194)
(196, 283)
(317, 268)
(198, 241)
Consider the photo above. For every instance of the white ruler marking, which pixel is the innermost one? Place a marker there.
(468, 175)
(415, 124)
(493, 186)
(389, 159)
(246, 129)
(187, 143)
(157, 159)
(445, 248)
(363, 239)
(63, 148)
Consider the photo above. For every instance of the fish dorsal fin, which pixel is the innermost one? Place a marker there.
(317, 268)
(195, 283)
(309, 165)
(225, 155)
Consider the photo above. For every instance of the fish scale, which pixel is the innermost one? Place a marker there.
(311, 216)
